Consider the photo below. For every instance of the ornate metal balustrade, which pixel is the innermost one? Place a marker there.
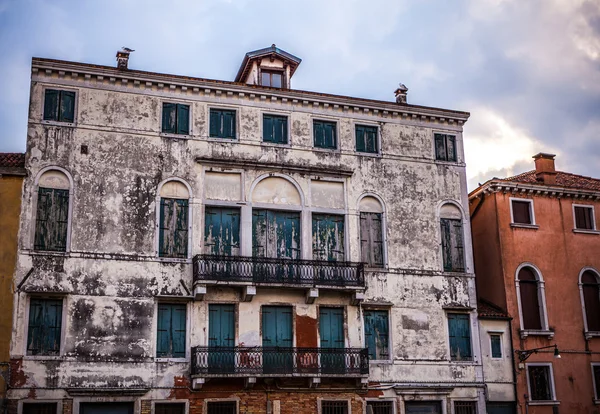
(273, 362)
(264, 270)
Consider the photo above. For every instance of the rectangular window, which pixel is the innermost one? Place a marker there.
(59, 105)
(176, 118)
(377, 335)
(272, 79)
(422, 407)
(173, 236)
(465, 407)
(521, 211)
(452, 245)
(221, 407)
(222, 123)
(328, 237)
(169, 408)
(44, 329)
(540, 383)
(380, 407)
(366, 139)
(459, 331)
(276, 234)
(171, 327)
(596, 374)
(222, 231)
(275, 129)
(445, 147)
(496, 345)
(371, 239)
(324, 133)
(334, 407)
(39, 408)
(52, 220)
(584, 217)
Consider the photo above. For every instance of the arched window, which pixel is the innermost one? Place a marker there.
(590, 288)
(173, 220)
(531, 300)
(52, 211)
(371, 231)
(452, 238)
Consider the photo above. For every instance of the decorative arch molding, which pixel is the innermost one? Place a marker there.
(453, 203)
(589, 331)
(287, 178)
(53, 168)
(589, 269)
(159, 188)
(157, 233)
(375, 196)
(541, 295)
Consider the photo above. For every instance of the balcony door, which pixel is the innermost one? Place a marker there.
(277, 339)
(221, 338)
(331, 331)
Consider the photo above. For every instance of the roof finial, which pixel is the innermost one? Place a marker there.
(273, 45)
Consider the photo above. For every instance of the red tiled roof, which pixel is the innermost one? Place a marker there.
(563, 179)
(488, 310)
(12, 160)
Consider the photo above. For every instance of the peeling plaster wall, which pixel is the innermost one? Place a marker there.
(498, 371)
(111, 275)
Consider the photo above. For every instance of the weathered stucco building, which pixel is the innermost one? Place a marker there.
(201, 246)
(537, 244)
(12, 171)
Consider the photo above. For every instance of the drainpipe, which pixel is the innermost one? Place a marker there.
(514, 371)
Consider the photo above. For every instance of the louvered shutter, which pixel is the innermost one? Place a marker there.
(163, 340)
(44, 204)
(35, 337)
(319, 134)
(215, 123)
(183, 119)
(360, 139)
(169, 118)
(451, 147)
(268, 133)
(460, 337)
(180, 247)
(440, 147)
(178, 330)
(167, 227)
(259, 233)
(67, 106)
(51, 99)
(457, 246)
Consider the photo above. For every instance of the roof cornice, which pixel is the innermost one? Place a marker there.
(497, 185)
(174, 83)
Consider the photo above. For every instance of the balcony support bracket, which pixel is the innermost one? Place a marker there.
(199, 292)
(311, 295)
(362, 383)
(358, 298)
(249, 382)
(197, 383)
(314, 382)
(248, 293)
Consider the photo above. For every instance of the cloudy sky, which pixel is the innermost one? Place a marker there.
(528, 71)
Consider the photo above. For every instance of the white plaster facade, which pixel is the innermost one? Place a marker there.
(111, 279)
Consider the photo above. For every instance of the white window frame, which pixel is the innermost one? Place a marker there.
(541, 291)
(75, 106)
(588, 334)
(388, 309)
(63, 326)
(392, 400)
(379, 126)
(157, 222)
(185, 402)
(320, 403)
(596, 397)
(286, 114)
(237, 122)
(594, 229)
(533, 223)
(500, 334)
(213, 400)
(552, 401)
(174, 300)
(190, 133)
(459, 151)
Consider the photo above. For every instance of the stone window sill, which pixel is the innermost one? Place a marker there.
(59, 124)
(592, 334)
(553, 402)
(524, 226)
(176, 136)
(530, 332)
(586, 231)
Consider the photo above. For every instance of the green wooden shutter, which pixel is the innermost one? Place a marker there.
(371, 139)
(52, 219)
(41, 223)
(259, 233)
(228, 124)
(360, 139)
(440, 147)
(51, 105)
(319, 134)
(222, 231)
(36, 323)
(459, 330)
(44, 330)
(328, 237)
(52, 323)
(446, 244)
(458, 261)
(61, 217)
(215, 122)
(180, 247)
(496, 346)
(451, 147)
(183, 119)
(166, 227)
(163, 330)
(169, 118)
(377, 334)
(178, 329)
(329, 138)
(268, 135)
(371, 239)
(280, 129)
(67, 106)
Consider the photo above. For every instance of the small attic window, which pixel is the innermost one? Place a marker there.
(270, 78)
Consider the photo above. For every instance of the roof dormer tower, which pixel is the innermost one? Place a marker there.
(270, 67)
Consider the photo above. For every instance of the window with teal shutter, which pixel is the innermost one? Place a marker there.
(445, 147)
(496, 345)
(59, 105)
(366, 139)
(459, 331)
(44, 329)
(275, 129)
(173, 229)
(176, 118)
(377, 334)
(222, 123)
(452, 245)
(324, 133)
(171, 327)
(52, 218)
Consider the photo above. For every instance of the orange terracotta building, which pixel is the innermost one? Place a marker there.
(537, 255)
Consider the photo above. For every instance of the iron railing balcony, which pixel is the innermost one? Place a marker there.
(278, 271)
(279, 362)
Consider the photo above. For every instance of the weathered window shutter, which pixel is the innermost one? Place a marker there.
(51, 105)
(222, 231)
(275, 234)
(371, 239)
(360, 139)
(44, 330)
(268, 128)
(181, 230)
(319, 134)
(228, 124)
(495, 343)
(67, 106)
(446, 244)
(377, 334)
(183, 119)
(452, 245)
(281, 130)
(324, 134)
(329, 129)
(530, 302)
(259, 233)
(440, 147)
(371, 140)
(178, 327)
(591, 299)
(215, 123)
(173, 231)
(451, 147)
(163, 330)
(52, 219)
(328, 237)
(169, 118)
(171, 330)
(459, 330)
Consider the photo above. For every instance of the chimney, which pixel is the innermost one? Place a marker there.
(401, 93)
(122, 59)
(544, 168)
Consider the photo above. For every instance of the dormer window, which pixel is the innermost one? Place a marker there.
(271, 78)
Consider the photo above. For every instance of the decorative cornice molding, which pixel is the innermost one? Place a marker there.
(496, 186)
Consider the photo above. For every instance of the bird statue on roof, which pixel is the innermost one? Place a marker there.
(128, 50)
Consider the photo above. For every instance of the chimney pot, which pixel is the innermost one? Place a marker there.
(122, 59)
(401, 93)
(545, 170)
